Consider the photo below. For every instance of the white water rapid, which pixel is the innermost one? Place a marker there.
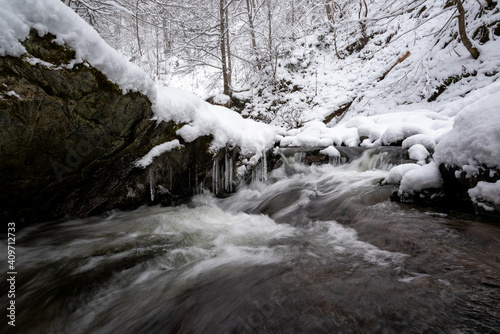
(305, 249)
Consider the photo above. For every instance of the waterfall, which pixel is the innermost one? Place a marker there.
(335, 160)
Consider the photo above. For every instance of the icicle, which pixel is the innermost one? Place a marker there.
(217, 173)
(264, 166)
(214, 178)
(231, 174)
(226, 173)
(151, 185)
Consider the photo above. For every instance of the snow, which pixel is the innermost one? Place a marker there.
(417, 127)
(52, 16)
(461, 126)
(397, 172)
(486, 191)
(226, 126)
(420, 178)
(425, 140)
(330, 151)
(156, 151)
(221, 99)
(419, 153)
(475, 138)
(12, 93)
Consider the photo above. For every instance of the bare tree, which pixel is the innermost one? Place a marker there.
(474, 52)
(223, 46)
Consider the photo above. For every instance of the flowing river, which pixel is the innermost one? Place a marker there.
(314, 249)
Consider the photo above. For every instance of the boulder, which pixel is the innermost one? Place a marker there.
(69, 139)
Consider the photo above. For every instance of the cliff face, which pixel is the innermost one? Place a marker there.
(69, 138)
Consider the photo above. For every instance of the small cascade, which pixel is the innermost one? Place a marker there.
(298, 157)
(151, 184)
(384, 157)
(335, 160)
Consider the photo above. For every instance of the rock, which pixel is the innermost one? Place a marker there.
(457, 185)
(69, 138)
(454, 194)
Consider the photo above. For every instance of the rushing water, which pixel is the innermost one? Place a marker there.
(314, 249)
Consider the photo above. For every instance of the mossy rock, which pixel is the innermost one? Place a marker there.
(45, 48)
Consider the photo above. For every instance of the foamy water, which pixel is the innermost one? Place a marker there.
(314, 249)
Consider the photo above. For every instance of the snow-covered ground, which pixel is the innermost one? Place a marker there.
(392, 86)
(389, 84)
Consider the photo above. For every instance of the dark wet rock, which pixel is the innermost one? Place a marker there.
(457, 184)
(454, 193)
(69, 138)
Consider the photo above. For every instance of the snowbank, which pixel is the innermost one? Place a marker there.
(471, 144)
(53, 16)
(226, 126)
(475, 138)
(485, 191)
(420, 126)
(419, 153)
(397, 172)
(420, 178)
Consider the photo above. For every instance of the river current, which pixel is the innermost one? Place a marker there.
(313, 249)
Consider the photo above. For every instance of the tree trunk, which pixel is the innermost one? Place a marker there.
(250, 12)
(228, 51)
(270, 31)
(463, 34)
(157, 53)
(166, 43)
(330, 13)
(222, 42)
